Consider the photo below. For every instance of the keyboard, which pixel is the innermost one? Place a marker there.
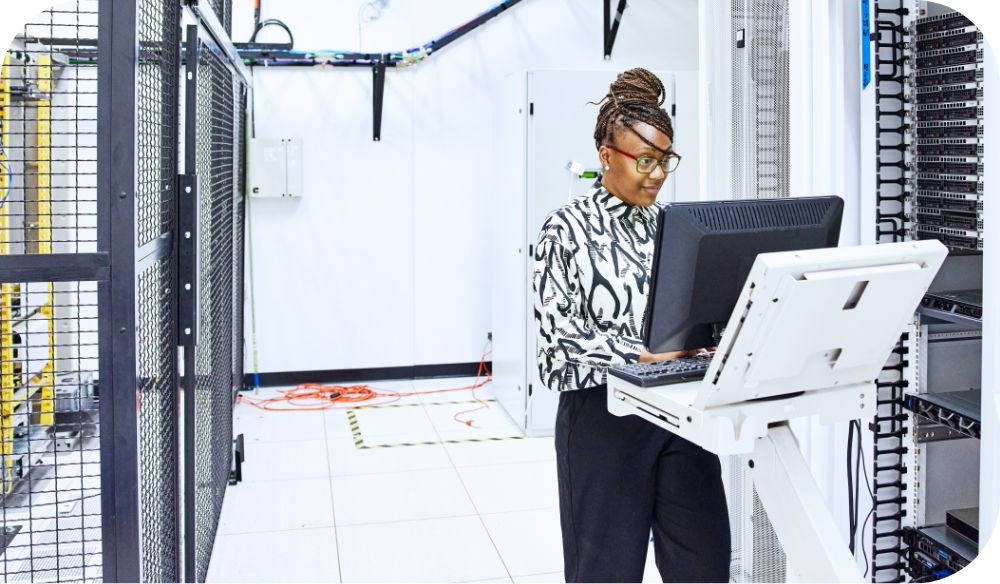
(658, 373)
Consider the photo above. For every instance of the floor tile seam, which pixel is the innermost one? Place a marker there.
(440, 466)
(411, 520)
(509, 464)
(536, 574)
(333, 504)
(283, 530)
(545, 508)
(493, 542)
(487, 464)
(252, 481)
(251, 440)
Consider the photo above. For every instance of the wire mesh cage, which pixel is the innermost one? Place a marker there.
(157, 118)
(54, 469)
(158, 440)
(48, 134)
(224, 11)
(218, 147)
(79, 503)
(50, 456)
(51, 485)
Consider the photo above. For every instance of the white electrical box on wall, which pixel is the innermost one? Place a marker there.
(275, 167)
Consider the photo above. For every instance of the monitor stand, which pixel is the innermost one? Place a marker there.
(758, 432)
(812, 329)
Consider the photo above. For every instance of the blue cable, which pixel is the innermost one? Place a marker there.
(6, 170)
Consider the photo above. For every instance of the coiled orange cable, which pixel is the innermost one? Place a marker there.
(318, 397)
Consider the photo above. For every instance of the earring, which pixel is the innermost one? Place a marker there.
(607, 168)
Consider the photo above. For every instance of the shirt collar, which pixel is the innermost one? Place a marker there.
(621, 210)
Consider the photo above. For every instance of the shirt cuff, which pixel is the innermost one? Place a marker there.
(627, 350)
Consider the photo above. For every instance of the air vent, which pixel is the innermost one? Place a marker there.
(754, 215)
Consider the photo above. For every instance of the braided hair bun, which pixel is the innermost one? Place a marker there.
(635, 96)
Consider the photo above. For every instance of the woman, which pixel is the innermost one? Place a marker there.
(620, 477)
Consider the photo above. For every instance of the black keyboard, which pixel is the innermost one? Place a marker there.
(657, 373)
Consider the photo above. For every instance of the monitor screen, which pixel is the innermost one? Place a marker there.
(704, 252)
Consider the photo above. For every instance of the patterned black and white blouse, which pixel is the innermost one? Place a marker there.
(591, 280)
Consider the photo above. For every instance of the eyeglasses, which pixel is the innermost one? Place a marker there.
(646, 164)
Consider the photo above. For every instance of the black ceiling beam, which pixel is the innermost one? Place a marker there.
(611, 26)
(447, 39)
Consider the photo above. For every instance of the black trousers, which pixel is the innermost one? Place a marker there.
(620, 477)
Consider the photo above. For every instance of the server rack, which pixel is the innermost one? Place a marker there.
(759, 167)
(929, 185)
(91, 441)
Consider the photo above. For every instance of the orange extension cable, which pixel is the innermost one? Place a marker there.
(317, 397)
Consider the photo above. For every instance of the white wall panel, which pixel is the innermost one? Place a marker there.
(334, 269)
(393, 270)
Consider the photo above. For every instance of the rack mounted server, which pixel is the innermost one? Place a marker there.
(946, 86)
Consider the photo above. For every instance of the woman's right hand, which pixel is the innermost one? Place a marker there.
(646, 356)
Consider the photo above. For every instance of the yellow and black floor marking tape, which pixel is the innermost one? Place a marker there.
(359, 442)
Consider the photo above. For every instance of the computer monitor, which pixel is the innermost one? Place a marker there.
(704, 252)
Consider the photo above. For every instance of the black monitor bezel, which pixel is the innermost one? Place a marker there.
(837, 208)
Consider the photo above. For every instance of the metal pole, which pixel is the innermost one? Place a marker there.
(120, 480)
(187, 286)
